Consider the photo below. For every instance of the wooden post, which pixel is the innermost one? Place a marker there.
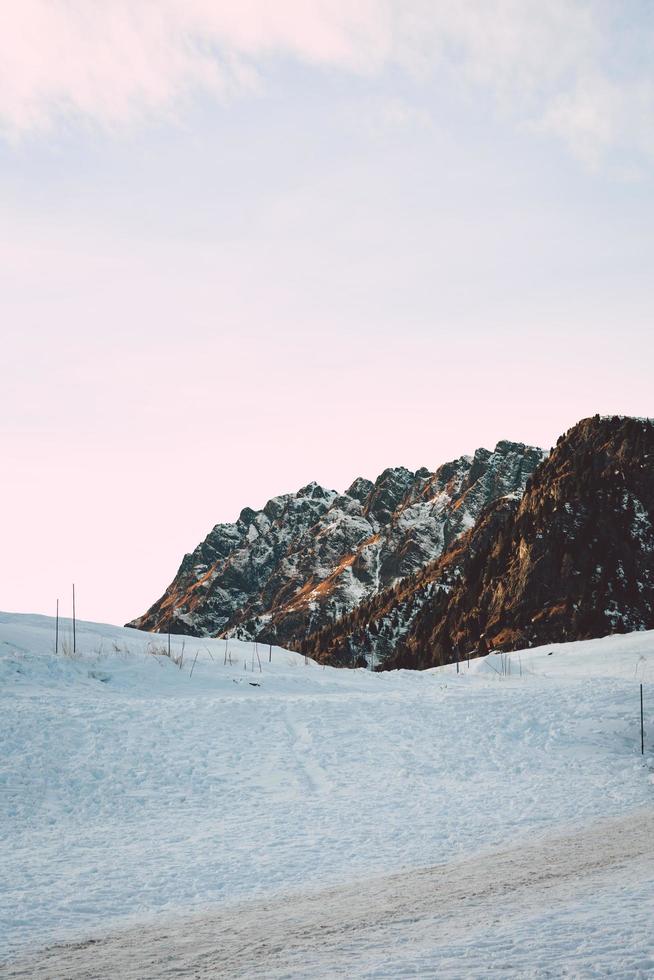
(74, 637)
(642, 729)
(57, 629)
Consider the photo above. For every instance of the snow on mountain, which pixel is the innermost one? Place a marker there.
(571, 558)
(306, 559)
(138, 789)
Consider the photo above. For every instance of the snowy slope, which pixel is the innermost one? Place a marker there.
(563, 905)
(132, 792)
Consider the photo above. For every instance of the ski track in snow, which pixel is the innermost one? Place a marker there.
(132, 794)
(313, 778)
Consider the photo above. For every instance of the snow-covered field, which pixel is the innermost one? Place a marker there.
(133, 794)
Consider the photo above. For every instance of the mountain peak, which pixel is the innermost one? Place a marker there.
(307, 558)
(359, 489)
(315, 491)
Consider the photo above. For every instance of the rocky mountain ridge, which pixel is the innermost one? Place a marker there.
(573, 558)
(307, 559)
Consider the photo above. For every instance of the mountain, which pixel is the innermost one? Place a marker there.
(573, 558)
(307, 559)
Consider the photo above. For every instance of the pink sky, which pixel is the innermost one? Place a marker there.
(241, 251)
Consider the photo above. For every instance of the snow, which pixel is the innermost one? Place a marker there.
(133, 793)
(496, 914)
(627, 657)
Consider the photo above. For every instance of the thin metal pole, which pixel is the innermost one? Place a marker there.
(57, 629)
(270, 653)
(642, 728)
(74, 635)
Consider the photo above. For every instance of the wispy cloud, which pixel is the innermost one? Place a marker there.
(555, 66)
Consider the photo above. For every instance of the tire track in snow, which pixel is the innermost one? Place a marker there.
(333, 931)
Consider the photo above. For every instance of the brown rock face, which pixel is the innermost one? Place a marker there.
(573, 559)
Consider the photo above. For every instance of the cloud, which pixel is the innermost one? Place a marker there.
(598, 115)
(555, 65)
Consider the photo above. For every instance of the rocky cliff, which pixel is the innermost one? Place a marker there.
(307, 559)
(572, 558)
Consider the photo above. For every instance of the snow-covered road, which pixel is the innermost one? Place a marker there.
(490, 915)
